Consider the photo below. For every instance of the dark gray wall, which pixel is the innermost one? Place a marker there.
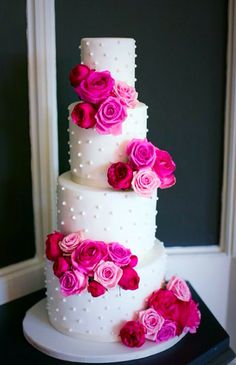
(181, 47)
(16, 213)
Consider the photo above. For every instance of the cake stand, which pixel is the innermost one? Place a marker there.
(40, 334)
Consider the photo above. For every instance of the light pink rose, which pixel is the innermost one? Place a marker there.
(152, 321)
(127, 94)
(71, 241)
(73, 282)
(96, 87)
(179, 288)
(141, 153)
(108, 274)
(145, 182)
(88, 254)
(119, 254)
(110, 116)
(167, 331)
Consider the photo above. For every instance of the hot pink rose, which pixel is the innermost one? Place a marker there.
(110, 116)
(130, 279)
(73, 282)
(120, 175)
(167, 331)
(88, 254)
(179, 288)
(141, 153)
(83, 115)
(127, 94)
(164, 167)
(96, 87)
(168, 181)
(187, 316)
(60, 266)
(165, 303)
(133, 261)
(78, 73)
(145, 182)
(96, 289)
(119, 254)
(107, 274)
(53, 250)
(152, 321)
(133, 334)
(71, 241)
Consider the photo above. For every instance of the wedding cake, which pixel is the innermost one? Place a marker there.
(105, 269)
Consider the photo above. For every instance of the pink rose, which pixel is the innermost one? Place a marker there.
(120, 175)
(145, 182)
(141, 153)
(168, 181)
(164, 167)
(110, 116)
(130, 279)
(71, 241)
(107, 274)
(96, 87)
(88, 254)
(96, 289)
(78, 73)
(179, 288)
(165, 303)
(133, 334)
(119, 254)
(73, 282)
(60, 266)
(167, 331)
(53, 250)
(187, 316)
(152, 321)
(83, 115)
(133, 261)
(127, 94)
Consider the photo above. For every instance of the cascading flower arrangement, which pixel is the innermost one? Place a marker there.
(97, 266)
(146, 169)
(104, 101)
(170, 312)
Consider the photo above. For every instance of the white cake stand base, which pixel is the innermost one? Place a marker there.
(40, 333)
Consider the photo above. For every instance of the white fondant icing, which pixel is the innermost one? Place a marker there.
(124, 225)
(102, 150)
(112, 309)
(107, 54)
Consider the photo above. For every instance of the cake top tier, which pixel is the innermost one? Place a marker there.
(116, 55)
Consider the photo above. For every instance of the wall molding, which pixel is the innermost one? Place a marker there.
(27, 276)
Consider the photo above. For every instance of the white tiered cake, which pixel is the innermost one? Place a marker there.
(105, 269)
(86, 202)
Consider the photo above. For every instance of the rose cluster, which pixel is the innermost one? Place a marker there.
(146, 169)
(104, 102)
(170, 311)
(82, 264)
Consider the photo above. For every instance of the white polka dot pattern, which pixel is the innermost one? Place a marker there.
(92, 153)
(107, 215)
(101, 318)
(116, 55)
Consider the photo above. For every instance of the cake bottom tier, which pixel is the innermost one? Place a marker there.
(100, 318)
